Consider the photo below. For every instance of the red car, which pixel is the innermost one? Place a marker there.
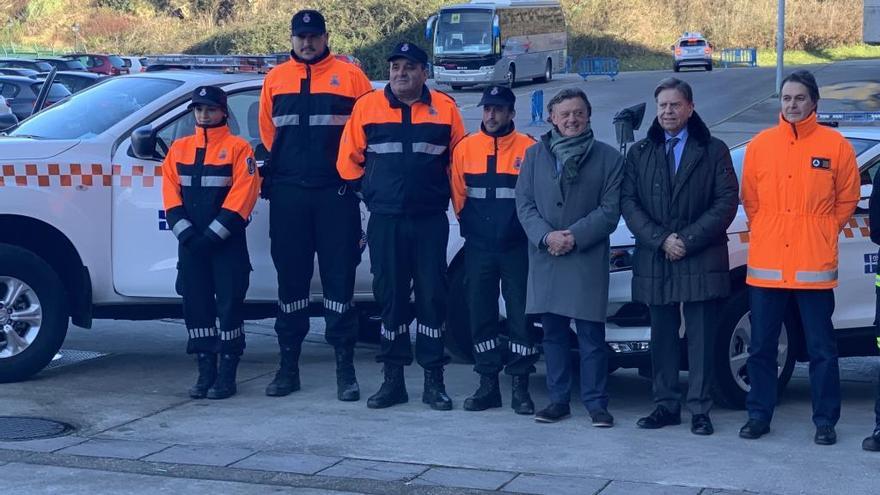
(110, 65)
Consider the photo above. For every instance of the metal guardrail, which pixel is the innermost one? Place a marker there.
(12, 51)
(598, 66)
(739, 56)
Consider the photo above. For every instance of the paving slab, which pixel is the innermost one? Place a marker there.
(629, 488)
(27, 478)
(287, 462)
(464, 478)
(120, 449)
(374, 470)
(543, 484)
(43, 444)
(205, 456)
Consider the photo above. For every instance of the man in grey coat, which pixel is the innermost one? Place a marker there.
(567, 198)
(678, 197)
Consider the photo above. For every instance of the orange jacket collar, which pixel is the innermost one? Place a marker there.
(323, 63)
(504, 141)
(213, 134)
(800, 129)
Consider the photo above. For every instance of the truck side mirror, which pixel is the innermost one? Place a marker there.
(143, 143)
(429, 27)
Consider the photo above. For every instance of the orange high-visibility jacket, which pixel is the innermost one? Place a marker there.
(800, 186)
(303, 109)
(401, 152)
(209, 184)
(483, 183)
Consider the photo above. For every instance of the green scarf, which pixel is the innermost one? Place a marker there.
(571, 151)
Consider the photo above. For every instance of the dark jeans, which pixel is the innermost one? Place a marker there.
(593, 360)
(768, 311)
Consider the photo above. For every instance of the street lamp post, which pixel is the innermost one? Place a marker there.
(75, 29)
(780, 43)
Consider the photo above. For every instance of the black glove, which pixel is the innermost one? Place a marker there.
(200, 244)
(266, 175)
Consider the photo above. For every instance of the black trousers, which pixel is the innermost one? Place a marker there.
(409, 253)
(699, 319)
(303, 222)
(484, 269)
(214, 285)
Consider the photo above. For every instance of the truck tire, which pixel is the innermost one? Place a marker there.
(34, 313)
(731, 351)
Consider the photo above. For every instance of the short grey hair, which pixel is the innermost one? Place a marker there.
(676, 84)
(567, 94)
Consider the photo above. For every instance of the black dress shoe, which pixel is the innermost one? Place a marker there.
(872, 443)
(825, 435)
(553, 413)
(701, 425)
(754, 428)
(602, 418)
(659, 418)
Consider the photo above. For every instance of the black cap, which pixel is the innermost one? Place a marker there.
(409, 51)
(208, 95)
(307, 22)
(498, 95)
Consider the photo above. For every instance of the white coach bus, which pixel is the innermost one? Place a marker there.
(501, 41)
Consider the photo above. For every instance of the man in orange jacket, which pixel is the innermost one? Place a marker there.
(396, 149)
(485, 167)
(303, 108)
(800, 186)
(209, 187)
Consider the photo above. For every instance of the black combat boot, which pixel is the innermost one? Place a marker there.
(487, 396)
(347, 388)
(435, 391)
(207, 375)
(521, 401)
(287, 377)
(224, 386)
(392, 391)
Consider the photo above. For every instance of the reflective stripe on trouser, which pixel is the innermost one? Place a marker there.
(214, 286)
(303, 222)
(768, 308)
(410, 252)
(487, 272)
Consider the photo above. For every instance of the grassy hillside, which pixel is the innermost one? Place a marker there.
(637, 31)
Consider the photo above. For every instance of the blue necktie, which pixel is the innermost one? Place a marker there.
(670, 155)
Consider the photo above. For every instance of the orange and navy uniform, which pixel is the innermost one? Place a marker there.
(209, 184)
(483, 181)
(401, 153)
(800, 187)
(303, 109)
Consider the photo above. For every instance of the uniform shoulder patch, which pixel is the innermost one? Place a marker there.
(251, 165)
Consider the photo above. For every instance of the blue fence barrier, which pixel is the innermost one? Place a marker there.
(739, 56)
(569, 64)
(598, 66)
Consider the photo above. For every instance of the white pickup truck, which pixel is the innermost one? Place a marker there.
(83, 234)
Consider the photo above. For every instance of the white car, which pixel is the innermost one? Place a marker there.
(4, 107)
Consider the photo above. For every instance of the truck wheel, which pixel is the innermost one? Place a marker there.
(731, 353)
(458, 338)
(33, 316)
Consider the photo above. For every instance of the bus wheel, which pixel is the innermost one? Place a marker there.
(511, 76)
(548, 73)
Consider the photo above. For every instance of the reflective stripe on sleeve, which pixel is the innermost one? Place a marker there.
(218, 228)
(180, 226)
(476, 192)
(337, 120)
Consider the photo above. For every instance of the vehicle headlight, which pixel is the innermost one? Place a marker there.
(487, 68)
(622, 258)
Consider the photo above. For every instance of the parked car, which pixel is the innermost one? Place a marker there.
(4, 107)
(7, 118)
(75, 81)
(21, 94)
(17, 71)
(110, 65)
(692, 50)
(135, 64)
(65, 64)
(26, 63)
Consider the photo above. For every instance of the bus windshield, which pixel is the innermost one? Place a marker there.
(464, 32)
